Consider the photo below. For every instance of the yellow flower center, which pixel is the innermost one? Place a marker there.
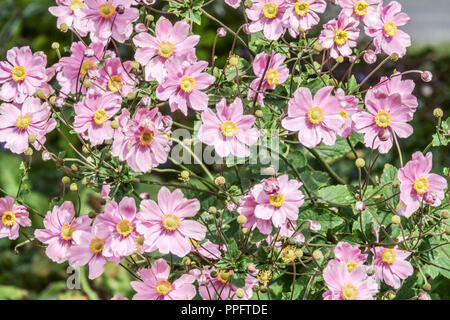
(351, 265)
(270, 10)
(76, 4)
(23, 122)
(343, 114)
(165, 49)
(388, 255)
(187, 83)
(264, 276)
(100, 116)
(106, 10)
(228, 128)
(19, 73)
(390, 28)
(288, 254)
(301, 8)
(272, 77)
(223, 276)
(171, 222)
(86, 65)
(383, 118)
(315, 115)
(124, 227)
(8, 218)
(340, 37)
(163, 287)
(66, 232)
(349, 292)
(96, 245)
(421, 185)
(146, 137)
(276, 200)
(361, 8)
(115, 83)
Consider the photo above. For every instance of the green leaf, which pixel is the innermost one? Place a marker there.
(326, 219)
(11, 293)
(337, 194)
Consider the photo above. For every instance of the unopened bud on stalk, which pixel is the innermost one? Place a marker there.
(240, 293)
(74, 167)
(360, 206)
(212, 210)
(186, 261)
(213, 274)
(426, 287)
(87, 83)
(73, 187)
(360, 163)
(244, 231)
(340, 59)
(63, 27)
(298, 253)
(221, 32)
(92, 214)
(52, 100)
(390, 295)
(55, 45)
(220, 181)
(31, 138)
(234, 60)
(135, 65)
(251, 268)
(59, 102)
(426, 76)
(259, 113)
(184, 174)
(140, 27)
(396, 219)
(248, 3)
(149, 18)
(384, 135)
(394, 57)
(317, 46)
(132, 95)
(370, 271)
(65, 180)
(263, 289)
(40, 94)
(241, 219)
(120, 9)
(447, 231)
(438, 113)
(115, 124)
(333, 82)
(444, 214)
(255, 288)
(317, 254)
(85, 181)
(144, 196)
(28, 152)
(370, 57)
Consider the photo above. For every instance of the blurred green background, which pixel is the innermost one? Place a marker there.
(31, 275)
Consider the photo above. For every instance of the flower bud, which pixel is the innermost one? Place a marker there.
(135, 65)
(213, 274)
(28, 152)
(245, 230)
(212, 210)
(314, 226)
(360, 206)
(255, 288)
(31, 138)
(370, 57)
(115, 124)
(298, 253)
(251, 268)
(234, 60)
(87, 83)
(390, 295)
(240, 293)
(423, 296)
(55, 45)
(40, 94)
(426, 76)
(317, 254)
(184, 174)
(370, 271)
(74, 167)
(430, 197)
(120, 9)
(340, 59)
(360, 163)
(259, 113)
(231, 206)
(140, 27)
(63, 27)
(444, 214)
(333, 82)
(149, 18)
(394, 57)
(65, 180)
(145, 101)
(299, 238)
(46, 155)
(92, 214)
(384, 135)
(220, 181)
(317, 46)
(186, 261)
(447, 231)
(59, 102)
(263, 289)
(241, 219)
(85, 181)
(248, 3)
(438, 113)
(396, 219)
(73, 187)
(221, 32)
(426, 287)
(144, 196)
(132, 95)
(395, 183)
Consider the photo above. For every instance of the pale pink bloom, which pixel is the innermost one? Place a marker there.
(391, 266)
(183, 84)
(13, 216)
(340, 35)
(74, 69)
(114, 78)
(207, 249)
(349, 255)
(144, 141)
(417, 184)
(106, 189)
(423, 296)
(168, 43)
(100, 18)
(155, 284)
(93, 114)
(120, 221)
(387, 36)
(302, 14)
(349, 105)
(387, 116)
(263, 208)
(233, 3)
(365, 11)
(426, 76)
(165, 225)
(316, 119)
(89, 248)
(276, 73)
(228, 130)
(267, 16)
(68, 12)
(314, 226)
(395, 84)
(22, 74)
(17, 124)
(60, 223)
(344, 285)
(370, 57)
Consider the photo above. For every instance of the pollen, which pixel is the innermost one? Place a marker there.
(276, 200)
(19, 73)
(383, 118)
(288, 254)
(166, 49)
(163, 287)
(264, 276)
(272, 77)
(343, 114)
(115, 83)
(341, 37)
(66, 232)
(301, 8)
(421, 185)
(351, 265)
(96, 245)
(8, 218)
(124, 228)
(270, 10)
(388, 255)
(349, 292)
(22, 122)
(100, 116)
(315, 115)
(187, 83)
(390, 28)
(361, 8)
(171, 222)
(106, 10)
(228, 128)
(146, 137)
(76, 4)
(86, 65)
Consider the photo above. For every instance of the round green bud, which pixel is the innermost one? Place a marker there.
(186, 261)
(394, 57)
(444, 214)
(390, 295)
(240, 293)
(333, 82)
(317, 254)
(220, 181)
(31, 138)
(259, 113)
(248, 3)
(184, 174)
(28, 152)
(317, 46)
(340, 59)
(132, 95)
(212, 210)
(85, 149)
(438, 113)
(263, 289)
(65, 180)
(92, 214)
(241, 219)
(55, 45)
(234, 60)
(40, 94)
(395, 183)
(396, 219)
(360, 163)
(149, 18)
(135, 65)
(224, 276)
(115, 124)
(63, 27)
(85, 181)
(74, 167)
(213, 274)
(426, 287)
(87, 83)
(255, 288)
(245, 230)
(52, 100)
(73, 187)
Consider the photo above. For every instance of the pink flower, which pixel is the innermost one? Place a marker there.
(350, 255)
(302, 14)
(106, 189)
(267, 16)
(100, 18)
(183, 84)
(142, 141)
(207, 249)
(93, 114)
(370, 57)
(68, 12)
(276, 74)
(387, 116)
(156, 285)
(316, 120)
(114, 78)
(423, 296)
(233, 3)
(364, 11)
(314, 226)
(89, 248)
(344, 285)
(349, 105)
(417, 184)
(387, 36)
(170, 42)
(22, 74)
(340, 36)
(120, 222)
(263, 208)
(391, 267)
(13, 216)
(60, 223)
(165, 225)
(229, 131)
(17, 124)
